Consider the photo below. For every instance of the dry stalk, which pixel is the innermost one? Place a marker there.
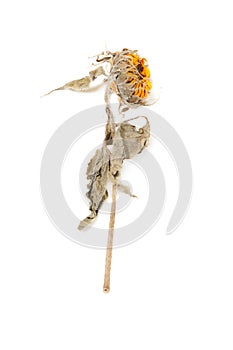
(108, 261)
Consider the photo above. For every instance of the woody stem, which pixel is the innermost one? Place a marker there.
(108, 262)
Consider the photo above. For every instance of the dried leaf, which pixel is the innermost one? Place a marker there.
(125, 189)
(107, 162)
(82, 84)
(97, 173)
(133, 140)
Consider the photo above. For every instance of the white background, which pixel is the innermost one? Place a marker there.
(168, 292)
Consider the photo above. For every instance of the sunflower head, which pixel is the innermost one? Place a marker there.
(131, 76)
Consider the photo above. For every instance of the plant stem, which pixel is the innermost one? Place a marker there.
(108, 261)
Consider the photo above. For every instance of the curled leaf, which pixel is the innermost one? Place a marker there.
(106, 164)
(97, 174)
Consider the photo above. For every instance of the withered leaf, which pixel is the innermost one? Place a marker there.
(82, 84)
(97, 174)
(107, 162)
(133, 140)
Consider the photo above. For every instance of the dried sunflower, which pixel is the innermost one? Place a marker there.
(128, 77)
